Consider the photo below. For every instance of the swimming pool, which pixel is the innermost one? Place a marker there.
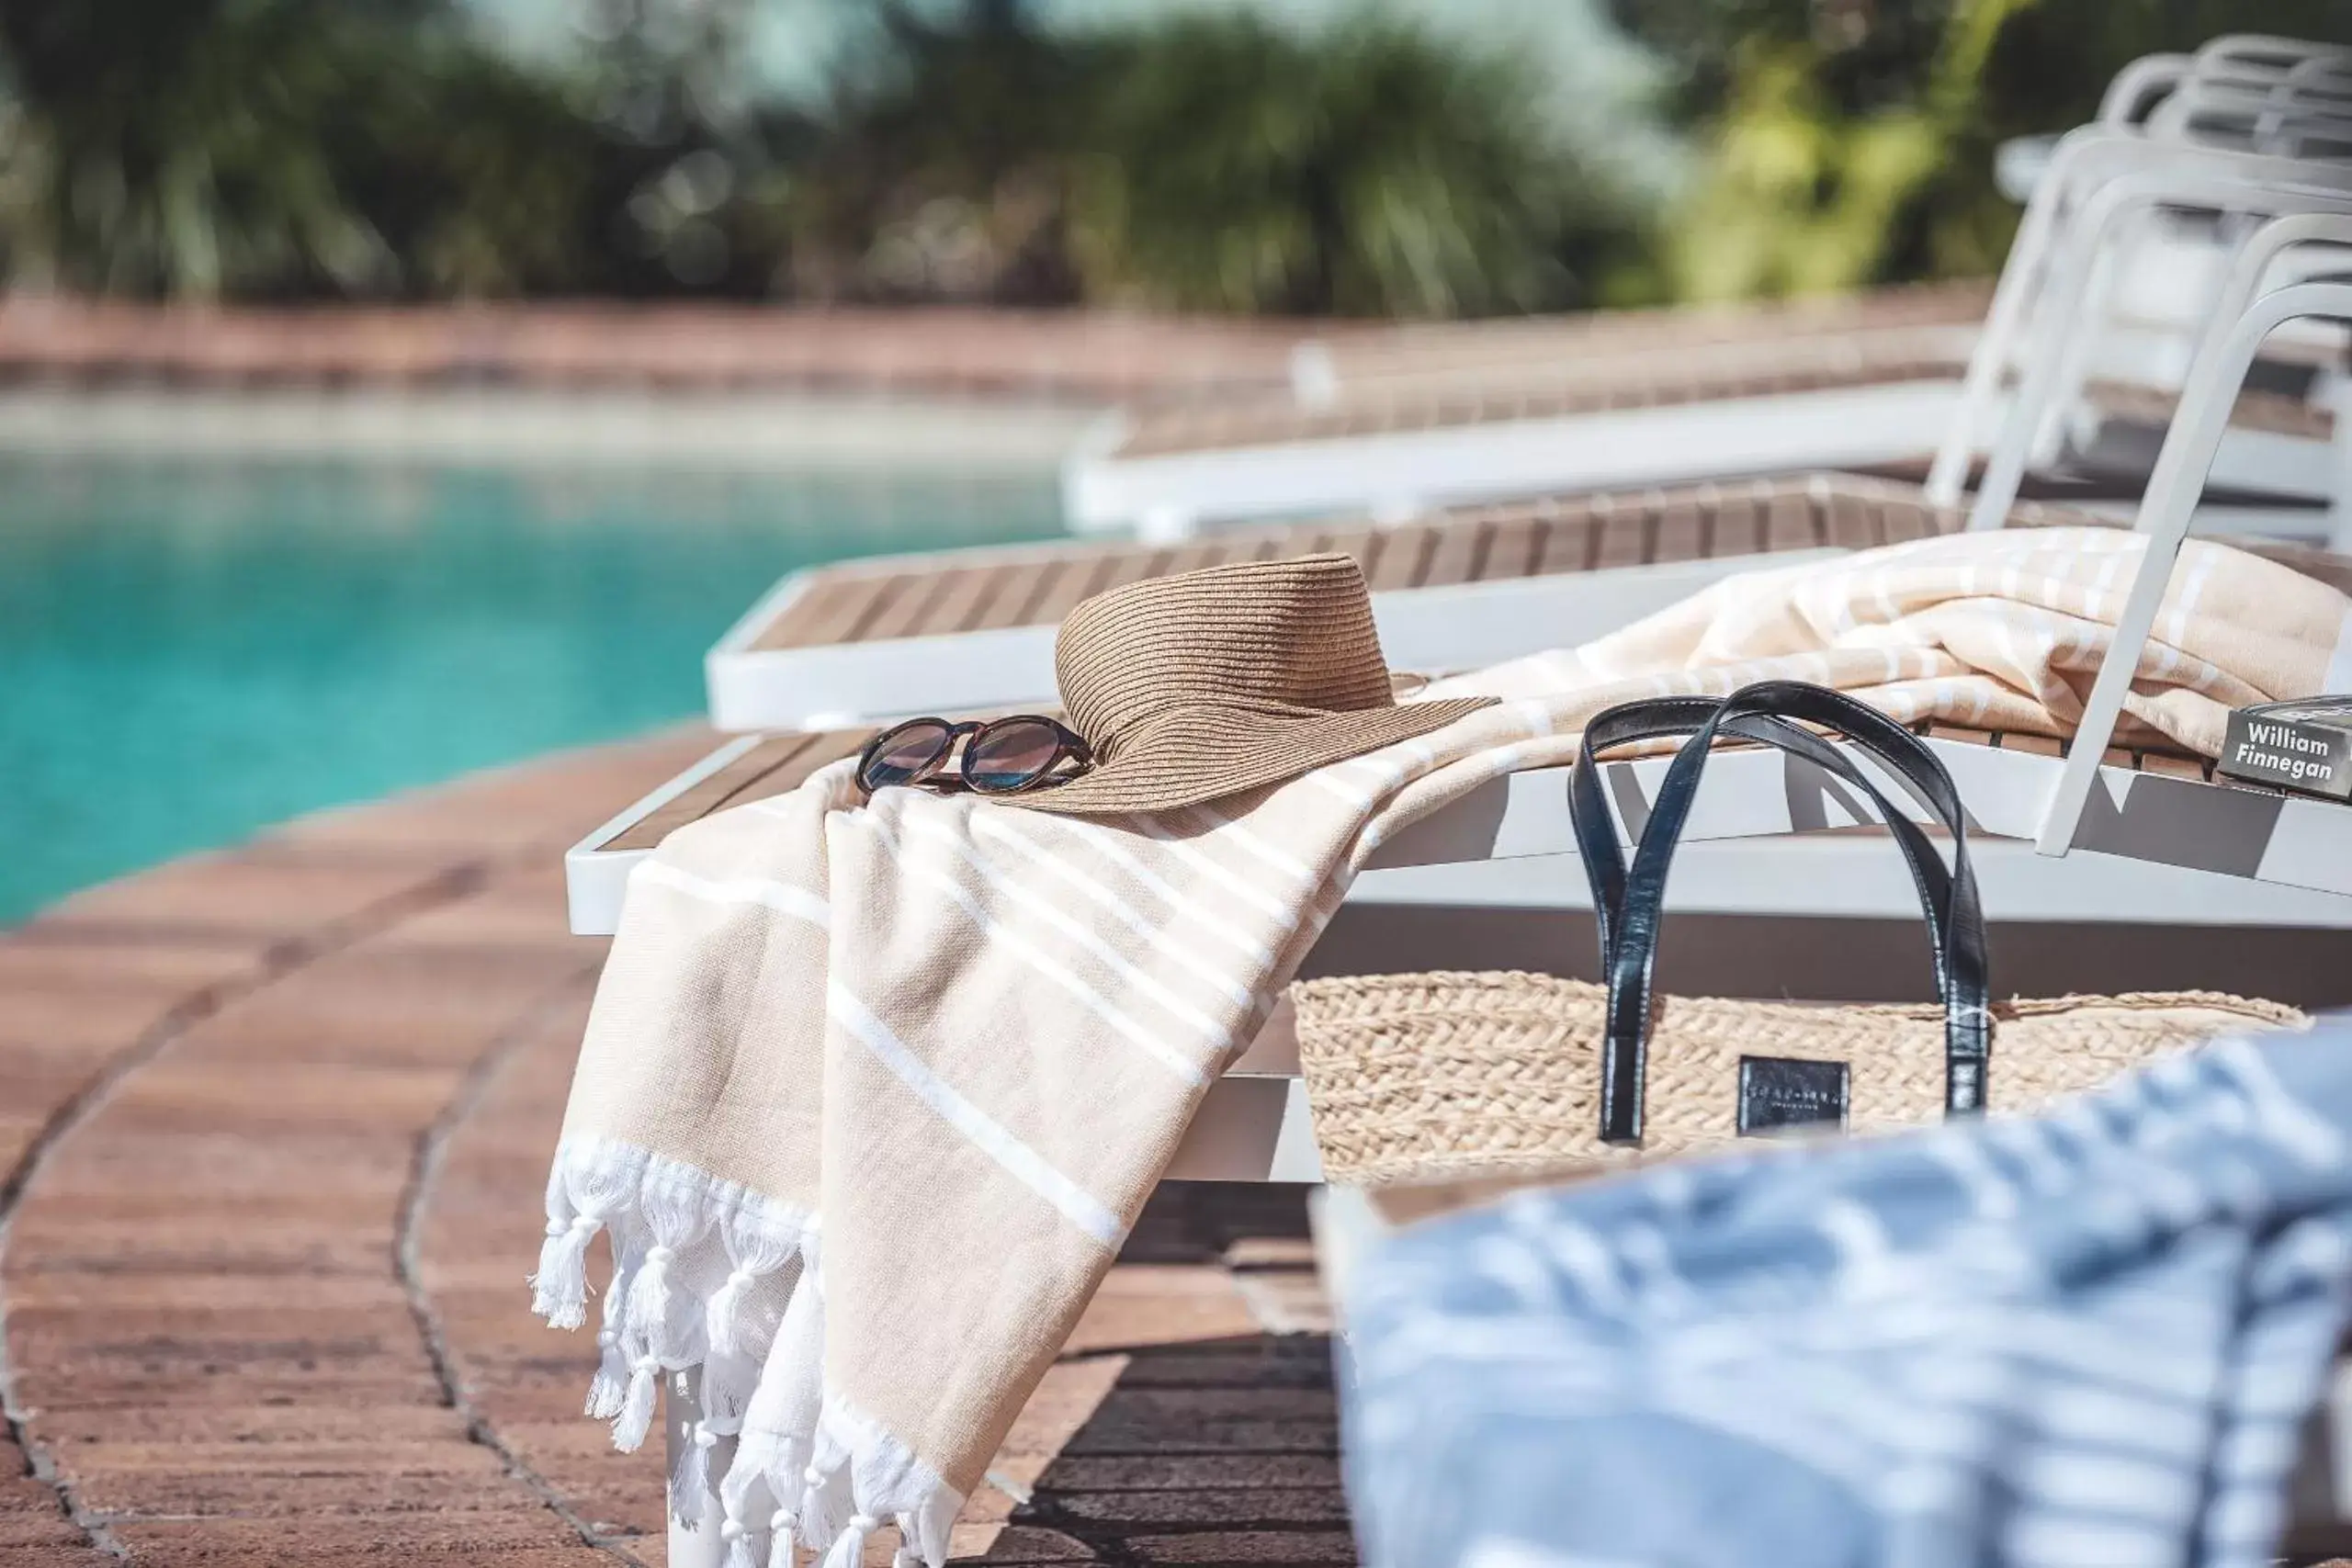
(192, 650)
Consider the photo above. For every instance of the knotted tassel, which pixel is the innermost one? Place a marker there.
(726, 1303)
(586, 1188)
(647, 1309)
(738, 1541)
(637, 1410)
(560, 1288)
(690, 1486)
(609, 1387)
(756, 1453)
(673, 1215)
(728, 1385)
(757, 1245)
(781, 1525)
(849, 1547)
(930, 1527)
(825, 1507)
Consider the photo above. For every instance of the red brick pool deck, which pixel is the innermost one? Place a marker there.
(273, 1128)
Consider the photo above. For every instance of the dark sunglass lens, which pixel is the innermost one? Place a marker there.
(902, 755)
(1012, 754)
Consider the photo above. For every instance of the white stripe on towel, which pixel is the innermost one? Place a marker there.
(1043, 908)
(1075, 1202)
(783, 897)
(1107, 841)
(991, 827)
(1029, 953)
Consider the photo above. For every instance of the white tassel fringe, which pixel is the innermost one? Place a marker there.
(849, 1547)
(782, 1528)
(559, 1290)
(609, 1388)
(636, 1418)
(581, 1197)
(690, 1483)
(694, 1256)
(755, 1251)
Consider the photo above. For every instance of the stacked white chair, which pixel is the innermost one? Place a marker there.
(2239, 136)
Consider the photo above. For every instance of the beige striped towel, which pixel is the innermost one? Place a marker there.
(870, 1096)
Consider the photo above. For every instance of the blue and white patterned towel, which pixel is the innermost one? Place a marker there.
(2087, 1340)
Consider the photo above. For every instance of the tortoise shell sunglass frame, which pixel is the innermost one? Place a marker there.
(997, 756)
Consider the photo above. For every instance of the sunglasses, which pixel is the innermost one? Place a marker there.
(1000, 756)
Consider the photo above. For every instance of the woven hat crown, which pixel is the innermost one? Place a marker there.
(1287, 637)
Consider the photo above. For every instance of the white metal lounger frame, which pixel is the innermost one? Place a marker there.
(2043, 389)
(2139, 85)
(2311, 102)
(2317, 223)
(2084, 160)
(2181, 466)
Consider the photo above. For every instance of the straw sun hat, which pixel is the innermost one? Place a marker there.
(1192, 687)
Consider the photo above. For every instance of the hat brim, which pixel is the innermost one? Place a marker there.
(1201, 753)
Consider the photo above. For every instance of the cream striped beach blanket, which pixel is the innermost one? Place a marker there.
(872, 1092)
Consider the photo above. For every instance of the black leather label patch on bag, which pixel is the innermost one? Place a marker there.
(1780, 1091)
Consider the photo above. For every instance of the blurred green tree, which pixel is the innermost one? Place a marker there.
(1851, 141)
(1204, 161)
(1212, 162)
(200, 147)
(940, 167)
(1367, 170)
(286, 148)
(271, 148)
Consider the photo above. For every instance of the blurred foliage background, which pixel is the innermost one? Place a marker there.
(1362, 160)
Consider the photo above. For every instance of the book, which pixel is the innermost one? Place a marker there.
(2304, 745)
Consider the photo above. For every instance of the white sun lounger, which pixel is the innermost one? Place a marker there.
(974, 629)
(1872, 397)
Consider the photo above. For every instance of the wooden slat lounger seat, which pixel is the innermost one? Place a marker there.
(1458, 448)
(943, 595)
(1596, 415)
(1607, 385)
(975, 628)
(1465, 586)
(1344, 363)
(2274, 412)
(1578, 384)
(1348, 360)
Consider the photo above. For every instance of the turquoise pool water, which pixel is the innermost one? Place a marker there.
(192, 651)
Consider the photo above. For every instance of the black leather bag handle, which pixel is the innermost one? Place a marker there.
(1657, 718)
(1630, 953)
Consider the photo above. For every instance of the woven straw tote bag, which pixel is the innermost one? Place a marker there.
(1444, 1077)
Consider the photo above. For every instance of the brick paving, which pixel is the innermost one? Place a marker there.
(273, 1128)
(1050, 356)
